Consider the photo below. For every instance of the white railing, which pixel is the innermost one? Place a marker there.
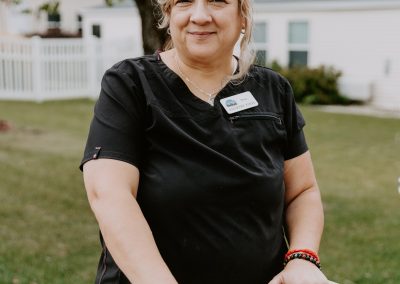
(41, 69)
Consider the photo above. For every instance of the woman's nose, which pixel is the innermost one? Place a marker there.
(200, 13)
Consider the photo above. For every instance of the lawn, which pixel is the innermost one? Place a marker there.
(48, 234)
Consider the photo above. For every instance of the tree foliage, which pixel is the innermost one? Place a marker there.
(313, 85)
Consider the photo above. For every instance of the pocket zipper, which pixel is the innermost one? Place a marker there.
(256, 116)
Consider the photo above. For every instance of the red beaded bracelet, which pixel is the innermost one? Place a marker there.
(307, 251)
(302, 254)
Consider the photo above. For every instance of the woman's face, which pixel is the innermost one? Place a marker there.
(205, 29)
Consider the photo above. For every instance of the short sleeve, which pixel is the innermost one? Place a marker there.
(117, 127)
(294, 123)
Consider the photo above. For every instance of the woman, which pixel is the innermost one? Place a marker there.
(196, 159)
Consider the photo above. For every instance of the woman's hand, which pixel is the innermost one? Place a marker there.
(299, 271)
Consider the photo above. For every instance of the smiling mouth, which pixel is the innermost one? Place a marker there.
(201, 33)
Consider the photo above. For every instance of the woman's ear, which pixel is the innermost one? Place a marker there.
(243, 22)
(243, 29)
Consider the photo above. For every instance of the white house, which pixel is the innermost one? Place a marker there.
(120, 26)
(361, 38)
(358, 37)
(13, 22)
(42, 69)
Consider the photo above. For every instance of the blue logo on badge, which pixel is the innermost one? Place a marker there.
(230, 102)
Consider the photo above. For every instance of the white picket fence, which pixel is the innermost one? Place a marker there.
(38, 69)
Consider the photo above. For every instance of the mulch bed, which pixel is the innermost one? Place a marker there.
(4, 126)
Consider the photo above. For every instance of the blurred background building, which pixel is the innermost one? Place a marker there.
(361, 38)
(358, 37)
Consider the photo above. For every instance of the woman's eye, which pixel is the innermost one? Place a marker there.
(186, 2)
(182, 2)
(217, 2)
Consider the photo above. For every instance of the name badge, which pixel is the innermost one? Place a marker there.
(239, 102)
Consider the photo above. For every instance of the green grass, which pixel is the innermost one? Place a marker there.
(48, 234)
(357, 163)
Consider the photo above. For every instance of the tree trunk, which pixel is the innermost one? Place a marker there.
(153, 37)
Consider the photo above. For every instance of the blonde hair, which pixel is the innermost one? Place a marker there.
(246, 57)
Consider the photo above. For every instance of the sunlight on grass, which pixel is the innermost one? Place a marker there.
(50, 236)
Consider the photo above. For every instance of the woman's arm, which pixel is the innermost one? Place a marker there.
(304, 219)
(304, 213)
(111, 187)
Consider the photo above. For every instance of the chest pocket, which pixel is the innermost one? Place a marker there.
(266, 128)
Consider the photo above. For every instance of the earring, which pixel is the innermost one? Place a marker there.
(243, 31)
(168, 31)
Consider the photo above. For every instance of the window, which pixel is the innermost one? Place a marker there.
(96, 30)
(298, 58)
(298, 33)
(79, 22)
(298, 39)
(261, 57)
(260, 36)
(260, 32)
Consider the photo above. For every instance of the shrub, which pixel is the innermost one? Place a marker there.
(313, 85)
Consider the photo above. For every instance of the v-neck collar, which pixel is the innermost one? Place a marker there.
(184, 94)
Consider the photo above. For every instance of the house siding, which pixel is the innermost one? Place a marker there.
(363, 44)
(68, 9)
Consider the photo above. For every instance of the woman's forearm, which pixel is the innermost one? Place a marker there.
(305, 220)
(129, 238)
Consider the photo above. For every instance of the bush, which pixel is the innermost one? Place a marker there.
(313, 85)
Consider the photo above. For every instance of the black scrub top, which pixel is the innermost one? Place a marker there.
(211, 184)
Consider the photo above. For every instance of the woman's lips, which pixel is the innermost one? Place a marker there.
(201, 35)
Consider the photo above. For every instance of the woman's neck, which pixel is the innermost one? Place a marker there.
(204, 79)
(205, 68)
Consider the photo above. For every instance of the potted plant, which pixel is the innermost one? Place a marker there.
(53, 13)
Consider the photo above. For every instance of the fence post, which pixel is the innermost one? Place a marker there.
(36, 72)
(91, 54)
